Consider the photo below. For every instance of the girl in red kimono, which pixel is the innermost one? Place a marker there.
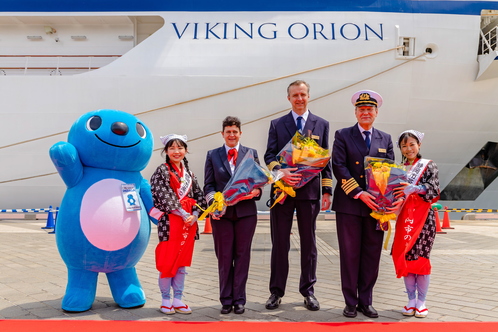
(415, 225)
(175, 192)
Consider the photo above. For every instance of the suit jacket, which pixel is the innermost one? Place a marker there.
(217, 173)
(348, 154)
(281, 132)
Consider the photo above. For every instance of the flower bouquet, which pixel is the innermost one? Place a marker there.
(383, 176)
(307, 156)
(248, 176)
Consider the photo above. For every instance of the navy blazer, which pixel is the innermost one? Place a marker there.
(217, 173)
(348, 154)
(281, 132)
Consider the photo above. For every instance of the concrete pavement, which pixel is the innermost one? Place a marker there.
(463, 283)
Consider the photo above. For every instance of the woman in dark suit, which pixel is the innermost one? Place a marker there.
(232, 232)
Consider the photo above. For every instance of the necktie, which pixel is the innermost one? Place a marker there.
(367, 139)
(300, 124)
(232, 155)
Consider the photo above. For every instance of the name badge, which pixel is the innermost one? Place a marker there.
(315, 137)
(382, 150)
(130, 197)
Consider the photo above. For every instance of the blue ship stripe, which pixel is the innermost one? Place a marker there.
(390, 6)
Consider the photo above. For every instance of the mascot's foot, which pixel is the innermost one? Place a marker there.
(75, 311)
(80, 290)
(77, 301)
(126, 289)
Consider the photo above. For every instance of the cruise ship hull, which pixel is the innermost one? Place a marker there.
(201, 66)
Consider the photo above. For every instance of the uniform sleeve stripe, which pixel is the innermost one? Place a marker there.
(327, 182)
(349, 185)
(350, 190)
(272, 165)
(351, 180)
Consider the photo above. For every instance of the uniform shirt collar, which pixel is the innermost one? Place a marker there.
(304, 116)
(362, 130)
(228, 148)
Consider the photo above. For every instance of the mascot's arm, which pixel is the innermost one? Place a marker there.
(67, 162)
(146, 196)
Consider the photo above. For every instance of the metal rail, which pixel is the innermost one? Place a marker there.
(488, 41)
(27, 66)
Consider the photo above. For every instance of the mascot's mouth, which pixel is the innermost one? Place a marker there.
(118, 146)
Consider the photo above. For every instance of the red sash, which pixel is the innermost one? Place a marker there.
(409, 224)
(179, 249)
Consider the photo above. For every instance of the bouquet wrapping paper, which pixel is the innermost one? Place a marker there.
(382, 177)
(248, 176)
(307, 156)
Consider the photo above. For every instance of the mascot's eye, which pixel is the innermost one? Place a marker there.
(141, 130)
(94, 123)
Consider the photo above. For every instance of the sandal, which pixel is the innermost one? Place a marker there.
(167, 310)
(183, 309)
(421, 312)
(408, 311)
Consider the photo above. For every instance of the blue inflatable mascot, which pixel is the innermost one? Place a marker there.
(103, 224)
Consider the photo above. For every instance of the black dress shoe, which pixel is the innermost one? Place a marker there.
(349, 311)
(311, 303)
(273, 302)
(368, 311)
(239, 309)
(226, 309)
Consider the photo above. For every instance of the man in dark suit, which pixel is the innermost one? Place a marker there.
(360, 243)
(306, 203)
(233, 232)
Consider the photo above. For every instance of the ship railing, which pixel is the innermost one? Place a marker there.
(488, 41)
(54, 64)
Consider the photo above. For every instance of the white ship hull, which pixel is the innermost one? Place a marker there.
(191, 73)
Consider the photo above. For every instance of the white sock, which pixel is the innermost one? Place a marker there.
(420, 304)
(166, 303)
(411, 303)
(178, 303)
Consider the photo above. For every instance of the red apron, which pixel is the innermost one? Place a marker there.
(410, 222)
(179, 249)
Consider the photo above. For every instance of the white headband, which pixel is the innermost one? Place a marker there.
(167, 138)
(417, 134)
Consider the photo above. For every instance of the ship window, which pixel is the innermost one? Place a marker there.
(475, 177)
(408, 44)
(489, 31)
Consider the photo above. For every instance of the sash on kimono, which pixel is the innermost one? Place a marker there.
(409, 224)
(415, 173)
(179, 249)
(182, 185)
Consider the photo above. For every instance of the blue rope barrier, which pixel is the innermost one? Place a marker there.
(28, 210)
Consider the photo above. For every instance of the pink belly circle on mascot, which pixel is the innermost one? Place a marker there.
(103, 214)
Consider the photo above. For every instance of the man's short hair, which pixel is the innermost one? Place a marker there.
(298, 82)
(231, 121)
